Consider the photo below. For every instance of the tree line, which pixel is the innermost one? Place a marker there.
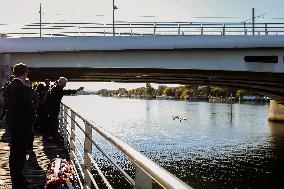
(180, 92)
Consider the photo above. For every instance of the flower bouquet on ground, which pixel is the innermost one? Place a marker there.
(61, 175)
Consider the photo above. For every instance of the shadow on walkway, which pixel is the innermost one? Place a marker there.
(35, 169)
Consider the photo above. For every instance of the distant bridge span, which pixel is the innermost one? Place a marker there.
(254, 62)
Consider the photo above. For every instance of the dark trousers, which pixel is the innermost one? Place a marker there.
(4, 110)
(53, 124)
(42, 119)
(3, 113)
(18, 150)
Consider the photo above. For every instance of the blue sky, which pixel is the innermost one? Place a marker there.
(26, 11)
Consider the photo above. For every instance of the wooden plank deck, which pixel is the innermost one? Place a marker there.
(44, 150)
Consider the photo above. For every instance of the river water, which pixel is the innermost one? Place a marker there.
(206, 148)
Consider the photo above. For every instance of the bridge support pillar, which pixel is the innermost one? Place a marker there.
(5, 68)
(276, 111)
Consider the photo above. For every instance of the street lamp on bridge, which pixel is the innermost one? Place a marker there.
(40, 20)
(113, 9)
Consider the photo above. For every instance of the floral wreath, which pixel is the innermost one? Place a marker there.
(61, 175)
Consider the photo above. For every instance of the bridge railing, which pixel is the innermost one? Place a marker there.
(78, 134)
(141, 28)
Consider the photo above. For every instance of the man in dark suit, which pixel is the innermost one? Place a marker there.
(53, 101)
(20, 116)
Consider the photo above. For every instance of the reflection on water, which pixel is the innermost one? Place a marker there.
(206, 147)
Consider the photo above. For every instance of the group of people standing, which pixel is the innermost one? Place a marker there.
(28, 109)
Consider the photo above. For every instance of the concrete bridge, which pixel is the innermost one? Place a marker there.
(254, 62)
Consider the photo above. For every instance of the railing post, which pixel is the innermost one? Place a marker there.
(189, 29)
(178, 29)
(201, 29)
(65, 118)
(64, 128)
(224, 29)
(245, 29)
(253, 19)
(142, 180)
(155, 28)
(72, 136)
(105, 28)
(61, 117)
(87, 150)
(130, 27)
(265, 26)
(79, 30)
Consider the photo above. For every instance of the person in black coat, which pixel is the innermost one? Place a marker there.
(20, 117)
(53, 101)
(4, 89)
(41, 110)
(35, 103)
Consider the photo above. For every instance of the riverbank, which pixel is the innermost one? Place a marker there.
(210, 99)
(256, 99)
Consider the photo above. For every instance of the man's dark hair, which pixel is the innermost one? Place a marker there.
(20, 69)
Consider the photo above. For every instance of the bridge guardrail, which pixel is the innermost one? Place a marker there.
(145, 169)
(140, 28)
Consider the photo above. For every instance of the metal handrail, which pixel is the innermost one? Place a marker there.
(127, 177)
(146, 169)
(80, 183)
(80, 168)
(142, 28)
(100, 172)
(92, 179)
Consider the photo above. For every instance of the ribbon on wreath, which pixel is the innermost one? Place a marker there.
(61, 175)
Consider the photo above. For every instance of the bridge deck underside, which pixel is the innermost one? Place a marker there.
(271, 84)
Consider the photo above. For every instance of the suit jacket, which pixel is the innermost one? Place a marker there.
(20, 109)
(53, 100)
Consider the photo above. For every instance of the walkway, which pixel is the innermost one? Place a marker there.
(44, 151)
